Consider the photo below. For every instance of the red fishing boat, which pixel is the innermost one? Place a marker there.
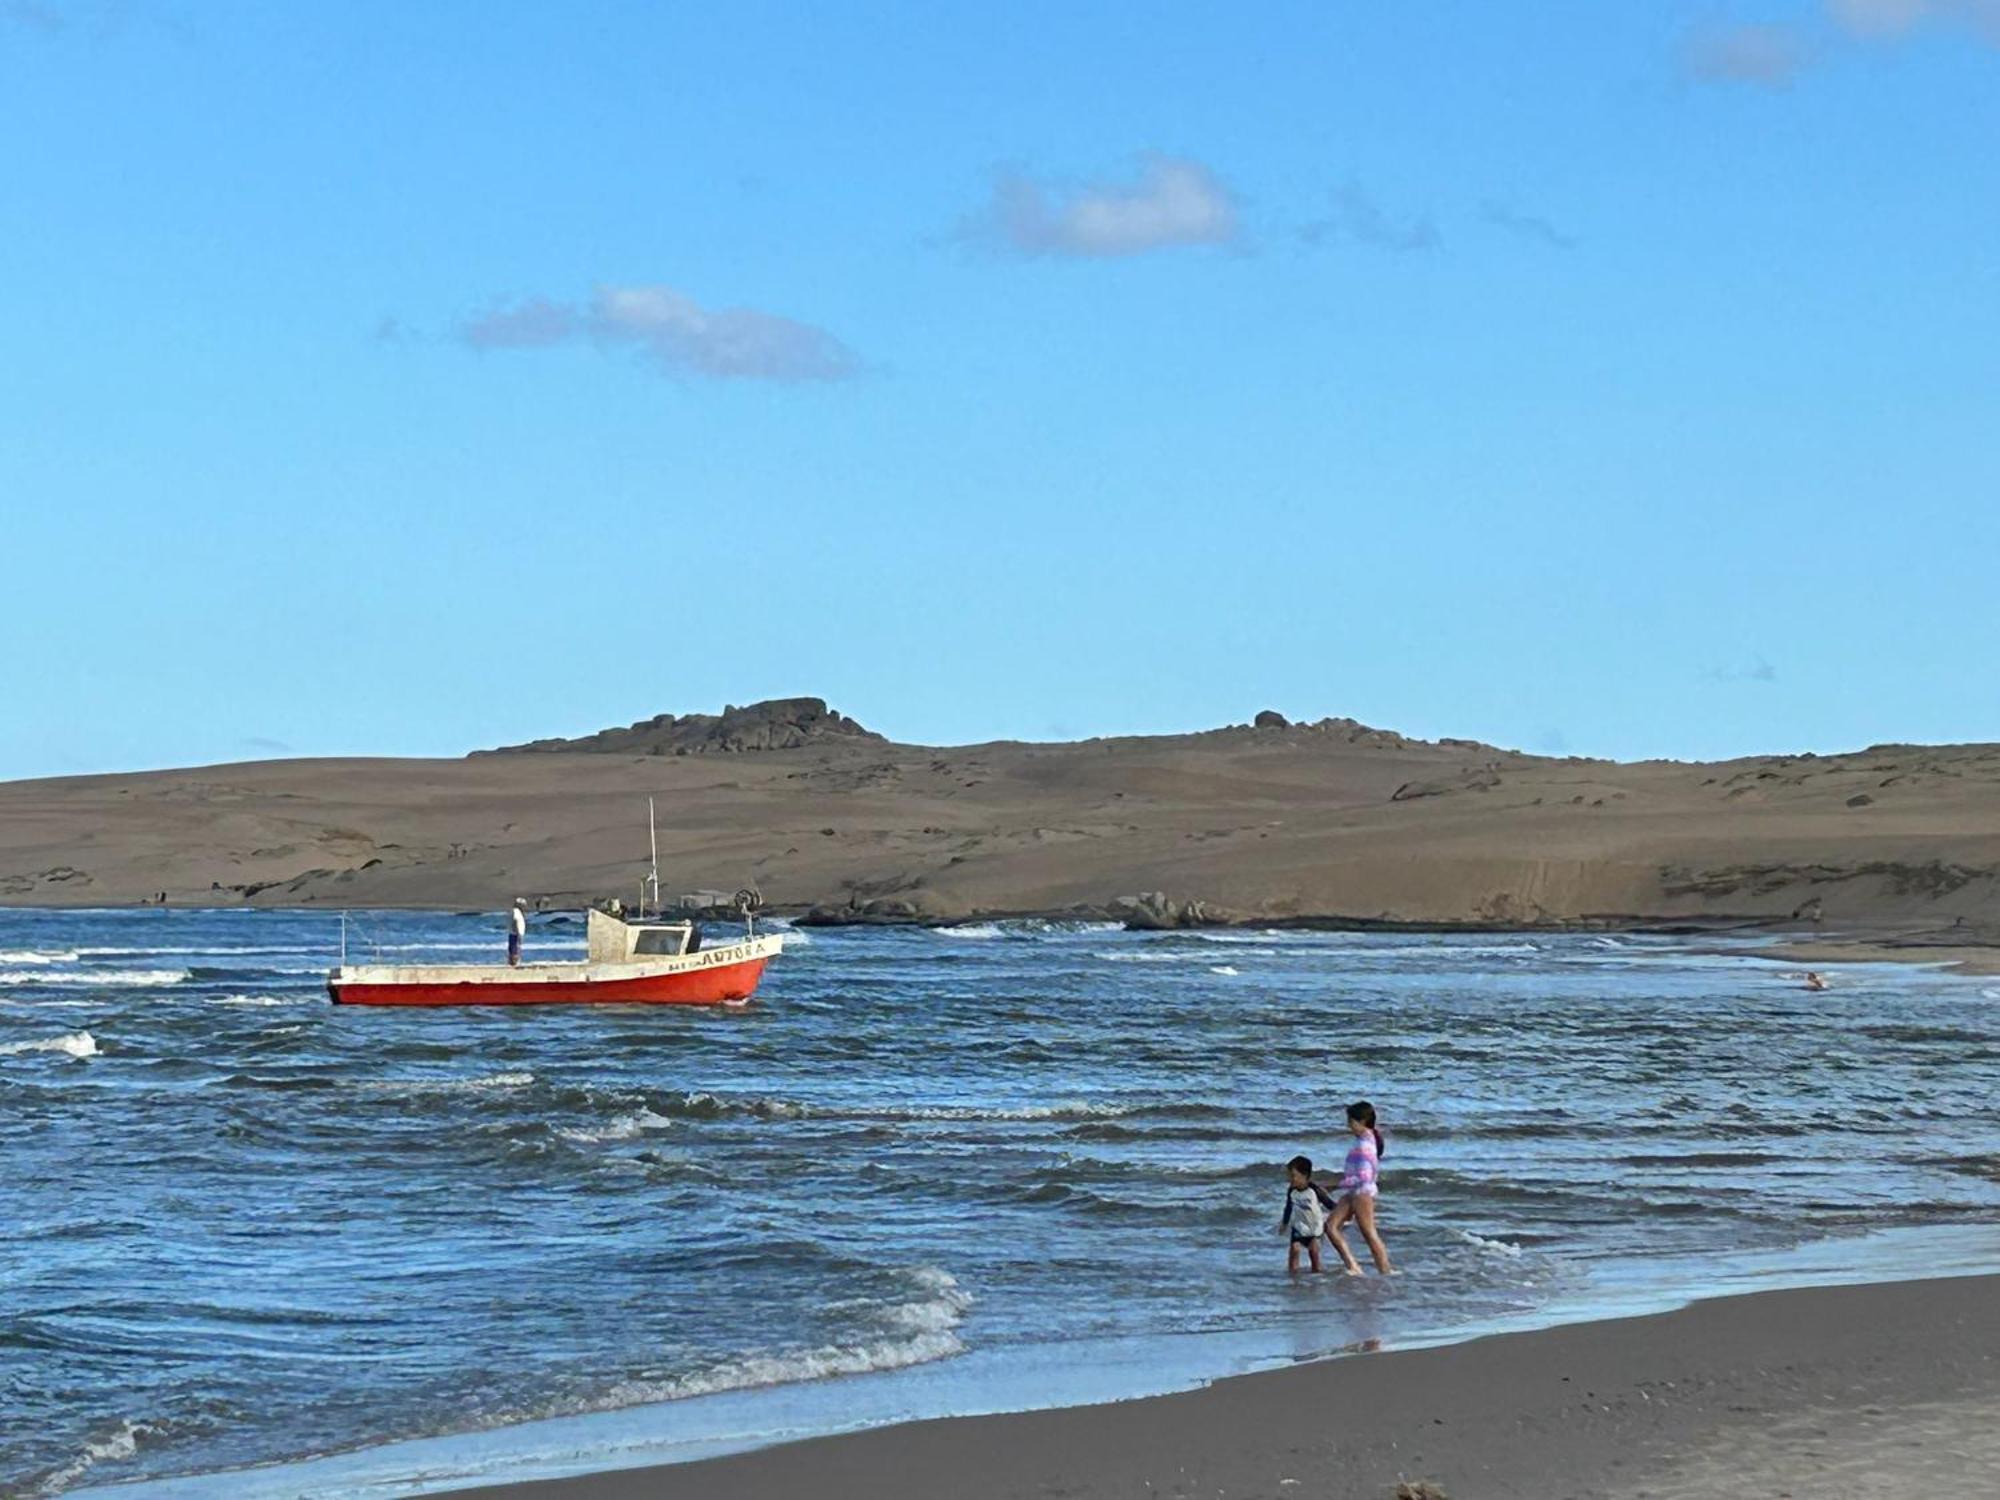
(628, 963)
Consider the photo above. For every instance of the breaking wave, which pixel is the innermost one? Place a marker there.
(920, 1330)
(1487, 1245)
(76, 1044)
(626, 1127)
(117, 1444)
(112, 978)
(446, 1085)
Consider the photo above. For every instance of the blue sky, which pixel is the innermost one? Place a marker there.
(1605, 378)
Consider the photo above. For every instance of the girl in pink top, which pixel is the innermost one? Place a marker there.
(1357, 1191)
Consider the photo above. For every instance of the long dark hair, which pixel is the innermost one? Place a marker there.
(1361, 1112)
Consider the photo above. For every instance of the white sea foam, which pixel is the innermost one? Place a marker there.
(975, 931)
(918, 1331)
(255, 1000)
(108, 978)
(76, 1044)
(121, 1442)
(1489, 1246)
(1114, 956)
(1225, 969)
(212, 950)
(624, 1128)
(446, 1085)
(1074, 1109)
(38, 955)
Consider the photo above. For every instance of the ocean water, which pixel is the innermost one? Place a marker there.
(1007, 1163)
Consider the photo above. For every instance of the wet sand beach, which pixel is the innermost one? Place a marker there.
(1823, 1393)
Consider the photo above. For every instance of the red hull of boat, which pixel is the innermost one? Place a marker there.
(716, 986)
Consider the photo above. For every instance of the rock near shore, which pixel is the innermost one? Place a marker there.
(1154, 911)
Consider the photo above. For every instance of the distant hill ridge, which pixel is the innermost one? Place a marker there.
(776, 724)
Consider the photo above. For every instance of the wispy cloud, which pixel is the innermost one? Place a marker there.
(1169, 201)
(32, 15)
(1766, 56)
(1772, 55)
(266, 745)
(679, 334)
(532, 323)
(734, 343)
(1756, 669)
(1360, 219)
(1888, 19)
(1527, 226)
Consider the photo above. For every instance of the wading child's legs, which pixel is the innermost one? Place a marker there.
(1364, 1215)
(1343, 1211)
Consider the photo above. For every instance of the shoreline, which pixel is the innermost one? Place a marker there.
(1771, 1392)
(1966, 954)
(624, 1453)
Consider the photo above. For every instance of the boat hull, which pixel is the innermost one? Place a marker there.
(720, 977)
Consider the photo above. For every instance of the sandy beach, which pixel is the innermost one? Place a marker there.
(1823, 1393)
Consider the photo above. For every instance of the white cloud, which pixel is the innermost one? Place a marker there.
(1889, 19)
(1772, 55)
(1359, 218)
(1170, 201)
(1764, 55)
(732, 343)
(532, 323)
(680, 335)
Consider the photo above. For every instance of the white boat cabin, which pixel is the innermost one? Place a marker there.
(616, 941)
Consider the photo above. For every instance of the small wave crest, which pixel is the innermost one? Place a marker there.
(112, 978)
(1487, 1245)
(480, 1084)
(1228, 970)
(112, 1444)
(919, 1329)
(76, 1044)
(39, 955)
(626, 1127)
(701, 1105)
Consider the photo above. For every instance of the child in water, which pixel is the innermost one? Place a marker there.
(1357, 1191)
(1306, 1204)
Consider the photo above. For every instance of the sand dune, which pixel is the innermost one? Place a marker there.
(1297, 823)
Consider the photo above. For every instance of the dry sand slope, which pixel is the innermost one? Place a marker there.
(1324, 821)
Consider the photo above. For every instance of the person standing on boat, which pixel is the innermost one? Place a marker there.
(517, 929)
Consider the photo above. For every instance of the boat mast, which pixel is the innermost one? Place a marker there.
(652, 838)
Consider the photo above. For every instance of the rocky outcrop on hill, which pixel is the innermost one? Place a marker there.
(776, 724)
